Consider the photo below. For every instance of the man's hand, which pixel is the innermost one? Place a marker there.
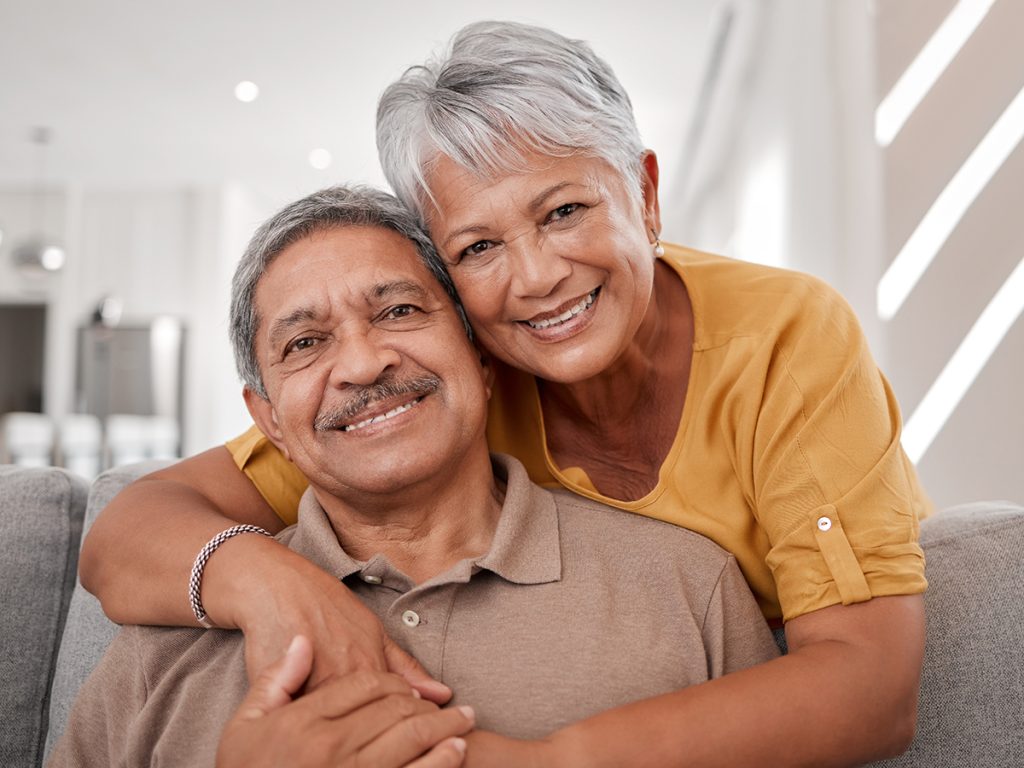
(363, 719)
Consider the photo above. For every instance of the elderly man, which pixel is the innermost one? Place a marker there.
(358, 365)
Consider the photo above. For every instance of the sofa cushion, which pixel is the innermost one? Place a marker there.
(41, 512)
(971, 709)
(88, 631)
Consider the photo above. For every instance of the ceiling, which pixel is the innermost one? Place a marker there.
(141, 93)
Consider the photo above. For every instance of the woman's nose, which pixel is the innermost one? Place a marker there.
(536, 268)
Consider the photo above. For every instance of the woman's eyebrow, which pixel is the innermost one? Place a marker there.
(533, 205)
(540, 199)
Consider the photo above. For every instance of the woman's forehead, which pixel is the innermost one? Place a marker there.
(458, 192)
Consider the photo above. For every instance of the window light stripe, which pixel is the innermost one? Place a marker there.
(926, 68)
(949, 208)
(964, 366)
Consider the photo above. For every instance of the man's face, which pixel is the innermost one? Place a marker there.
(372, 383)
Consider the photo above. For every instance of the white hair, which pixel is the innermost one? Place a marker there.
(502, 90)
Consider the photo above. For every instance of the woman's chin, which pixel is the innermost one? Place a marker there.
(564, 366)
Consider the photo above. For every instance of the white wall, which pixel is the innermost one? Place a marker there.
(980, 450)
(162, 251)
(787, 171)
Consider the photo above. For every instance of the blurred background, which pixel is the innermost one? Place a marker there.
(875, 144)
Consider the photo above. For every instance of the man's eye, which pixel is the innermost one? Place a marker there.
(300, 344)
(564, 211)
(399, 311)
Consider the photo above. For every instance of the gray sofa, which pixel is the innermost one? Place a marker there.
(972, 693)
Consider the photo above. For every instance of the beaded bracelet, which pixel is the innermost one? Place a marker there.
(195, 579)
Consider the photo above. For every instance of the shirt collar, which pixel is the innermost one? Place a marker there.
(525, 548)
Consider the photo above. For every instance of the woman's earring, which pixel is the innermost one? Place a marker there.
(659, 251)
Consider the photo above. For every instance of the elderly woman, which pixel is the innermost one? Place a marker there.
(732, 399)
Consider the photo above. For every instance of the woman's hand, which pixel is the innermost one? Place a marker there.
(364, 719)
(273, 594)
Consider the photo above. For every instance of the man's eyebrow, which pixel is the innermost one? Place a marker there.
(398, 288)
(284, 325)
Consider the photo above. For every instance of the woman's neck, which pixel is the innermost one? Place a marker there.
(619, 427)
(655, 356)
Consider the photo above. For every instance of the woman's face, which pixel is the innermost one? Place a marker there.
(555, 266)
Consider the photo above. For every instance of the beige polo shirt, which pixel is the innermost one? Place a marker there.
(576, 608)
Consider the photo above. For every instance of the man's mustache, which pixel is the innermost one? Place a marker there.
(359, 399)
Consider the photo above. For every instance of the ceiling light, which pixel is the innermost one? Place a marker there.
(320, 159)
(39, 254)
(247, 91)
(37, 257)
(52, 258)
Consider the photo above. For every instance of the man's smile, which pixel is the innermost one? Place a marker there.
(383, 416)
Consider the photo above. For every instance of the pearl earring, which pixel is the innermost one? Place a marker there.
(659, 249)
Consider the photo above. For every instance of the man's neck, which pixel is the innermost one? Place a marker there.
(423, 529)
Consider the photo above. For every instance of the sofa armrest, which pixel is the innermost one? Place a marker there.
(971, 708)
(41, 512)
(88, 631)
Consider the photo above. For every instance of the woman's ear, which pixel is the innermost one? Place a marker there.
(649, 187)
(265, 416)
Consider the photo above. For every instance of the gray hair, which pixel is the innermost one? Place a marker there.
(501, 90)
(355, 206)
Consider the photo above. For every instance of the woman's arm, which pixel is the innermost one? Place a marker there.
(139, 553)
(846, 694)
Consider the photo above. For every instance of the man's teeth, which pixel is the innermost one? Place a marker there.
(585, 303)
(383, 417)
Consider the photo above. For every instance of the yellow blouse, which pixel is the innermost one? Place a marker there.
(787, 453)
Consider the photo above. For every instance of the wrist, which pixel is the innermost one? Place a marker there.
(489, 750)
(243, 573)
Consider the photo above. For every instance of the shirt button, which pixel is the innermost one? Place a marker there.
(411, 618)
(370, 579)
(824, 523)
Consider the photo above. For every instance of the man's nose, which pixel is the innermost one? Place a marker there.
(537, 267)
(361, 358)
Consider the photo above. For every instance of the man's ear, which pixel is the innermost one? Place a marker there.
(649, 187)
(265, 416)
(488, 369)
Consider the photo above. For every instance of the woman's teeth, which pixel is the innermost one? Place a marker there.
(585, 303)
(383, 417)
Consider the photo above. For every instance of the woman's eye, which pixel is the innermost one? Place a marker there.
(475, 249)
(564, 211)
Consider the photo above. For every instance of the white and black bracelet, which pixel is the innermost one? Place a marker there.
(195, 579)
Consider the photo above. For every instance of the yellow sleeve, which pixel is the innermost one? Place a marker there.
(278, 480)
(835, 492)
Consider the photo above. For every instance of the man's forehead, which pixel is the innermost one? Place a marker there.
(365, 264)
(359, 257)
